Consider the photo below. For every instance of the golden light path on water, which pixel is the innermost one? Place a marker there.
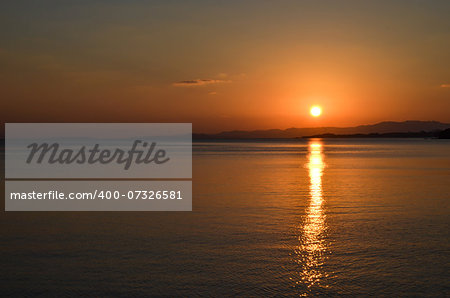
(312, 248)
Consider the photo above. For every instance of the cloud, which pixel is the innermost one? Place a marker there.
(198, 82)
(445, 86)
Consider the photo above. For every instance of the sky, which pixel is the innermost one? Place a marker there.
(225, 65)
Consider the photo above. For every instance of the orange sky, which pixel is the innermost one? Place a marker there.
(223, 66)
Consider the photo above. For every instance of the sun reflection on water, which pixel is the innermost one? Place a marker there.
(312, 248)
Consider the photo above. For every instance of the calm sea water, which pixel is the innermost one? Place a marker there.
(294, 218)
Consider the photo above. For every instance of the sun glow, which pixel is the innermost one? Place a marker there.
(316, 111)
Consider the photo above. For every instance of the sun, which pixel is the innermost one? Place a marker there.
(316, 111)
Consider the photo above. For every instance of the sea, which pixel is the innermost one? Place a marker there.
(271, 218)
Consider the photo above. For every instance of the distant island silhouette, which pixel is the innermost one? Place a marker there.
(445, 134)
(437, 134)
(387, 129)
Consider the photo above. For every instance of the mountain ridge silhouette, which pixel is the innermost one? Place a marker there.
(409, 126)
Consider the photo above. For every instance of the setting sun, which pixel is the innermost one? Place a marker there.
(316, 111)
